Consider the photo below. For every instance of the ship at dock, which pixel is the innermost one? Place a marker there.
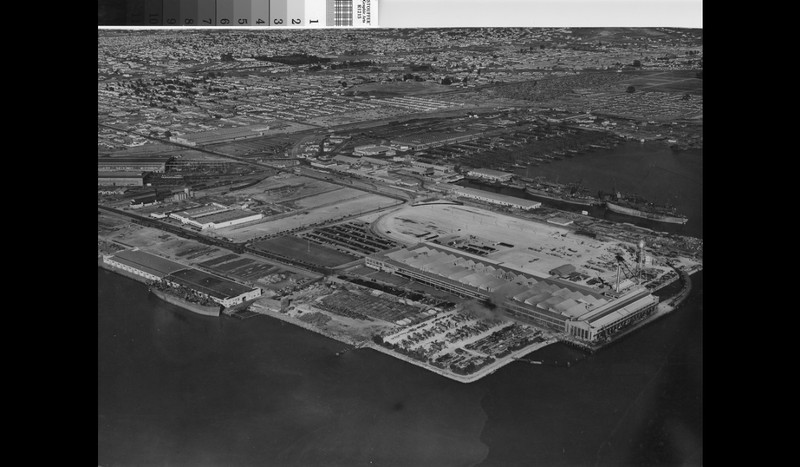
(572, 193)
(196, 307)
(636, 206)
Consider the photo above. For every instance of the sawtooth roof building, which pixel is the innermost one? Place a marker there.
(544, 301)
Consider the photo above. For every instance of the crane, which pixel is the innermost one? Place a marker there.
(602, 281)
(620, 260)
(629, 274)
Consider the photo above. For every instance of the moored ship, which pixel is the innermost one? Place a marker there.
(637, 206)
(207, 310)
(549, 191)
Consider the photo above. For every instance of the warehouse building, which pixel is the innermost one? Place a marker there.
(133, 164)
(439, 169)
(144, 200)
(223, 291)
(227, 218)
(376, 162)
(347, 160)
(215, 216)
(120, 179)
(373, 150)
(544, 301)
(143, 264)
(496, 198)
(431, 140)
(604, 321)
(489, 174)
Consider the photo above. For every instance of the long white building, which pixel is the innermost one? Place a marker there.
(496, 198)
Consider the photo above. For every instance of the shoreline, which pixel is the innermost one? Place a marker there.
(662, 310)
(168, 298)
(482, 372)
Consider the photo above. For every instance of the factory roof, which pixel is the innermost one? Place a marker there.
(547, 294)
(209, 284)
(597, 314)
(496, 196)
(227, 216)
(623, 311)
(147, 262)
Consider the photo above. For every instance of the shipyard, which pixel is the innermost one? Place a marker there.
(453, 284)
(453, 215)
(438, 246)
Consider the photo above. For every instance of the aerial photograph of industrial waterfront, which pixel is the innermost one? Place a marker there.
(400, 247)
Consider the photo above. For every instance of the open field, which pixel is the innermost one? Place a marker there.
(668, 81)
(257, 145)
(533, 247)
(309, 217)
(330, 197)
(304, 250)
(283, 188)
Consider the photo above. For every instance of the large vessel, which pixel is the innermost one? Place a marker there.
(207, 310)
(550, 191)
(633, 205)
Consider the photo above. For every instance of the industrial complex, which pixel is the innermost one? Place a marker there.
(403, 203)
(155, 268)
(543, 301)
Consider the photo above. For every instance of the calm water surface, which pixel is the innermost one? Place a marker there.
(180, 389)
(652, 170)
(177, 388)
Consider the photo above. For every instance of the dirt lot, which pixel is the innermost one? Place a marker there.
(305, 250)
(535, 248)
(309, 217)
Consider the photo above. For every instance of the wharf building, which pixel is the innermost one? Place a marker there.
(495, 198)
(155, 268)
(490, 174)
(143, 264)
(223, 291)
(133, 164)
(534, 298)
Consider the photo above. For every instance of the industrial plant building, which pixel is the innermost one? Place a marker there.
(544, 301)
